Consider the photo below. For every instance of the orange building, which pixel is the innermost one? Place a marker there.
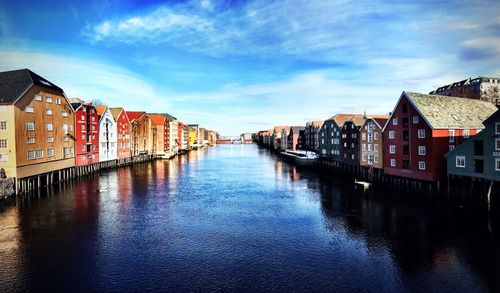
(36, 125)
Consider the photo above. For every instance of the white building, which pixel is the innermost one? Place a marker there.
(108, 147)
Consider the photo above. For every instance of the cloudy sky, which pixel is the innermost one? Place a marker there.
(240, 66)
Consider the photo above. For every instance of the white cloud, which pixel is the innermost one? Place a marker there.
(88, 79)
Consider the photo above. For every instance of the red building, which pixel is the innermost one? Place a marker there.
(422, 128)
(182, 136)
(86, 133)
(123, 132)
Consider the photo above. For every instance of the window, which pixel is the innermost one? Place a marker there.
(323, 151)
(392, 149)
(375, 136)
(67, 150)
(460, 161)
(66, 138)
(466, 133)
(64, 114)
(48, 111)
(363, 136)
(370, 147)
(451, 135)
(50, 153)
(415, 119)
(83, 147)
(29, 109)
(30, 125)
(31, 155)
(392, 134)
(393, 162)
(375, 147)
(48, 99)
(58, 101)
(30, 140)
(352, 126)
(352, 157)
(422, 150)
(39, 154)
(49, 126)
(4, 158)
(3, 143)
(82, 117)
(421, 165)
(363, 146)
(49, 139)
(497, 128)
(451, 147)
(421, 133)
(497, 164)
(375, 158)
(3, 125)
(370, 137)
(364, 157)
(394, 121)
(497, 144)
(37, 98)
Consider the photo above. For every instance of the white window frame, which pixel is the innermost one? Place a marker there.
(50, 153)
(497, 128)
(39, 154)
(38, 98)
(32, 153)
(421, 165)
(415, 119)
(395, 121)
(421, 133)
(3, 124)
(49, 139)
(392, 134)
(466, 133)
(29, 109)
(375, 158)
(458, 159)
(375, 136)
(2, 145)
(49, 112)
(4, 158)
(29, 124)
(393, 162)
(64, 114)
(422, 150)
(49, 126)
(392, 149)
(451, 134)
(497, 144)
(48, 99)
(497, 164)
(30, 140)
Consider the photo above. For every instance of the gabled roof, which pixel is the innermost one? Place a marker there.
(296, 129)
(340, 119)
(493, 116)
(446, 112)
(133, 115)
(286, 129)
(380, 120)
(13, 85)
(277, 129)
(317, 123)
(157, 119)
(76, 106)
(100, 109)
(115, 112)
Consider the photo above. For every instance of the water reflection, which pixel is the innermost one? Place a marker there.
(237, 218)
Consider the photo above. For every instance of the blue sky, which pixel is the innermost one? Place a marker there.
(242, 66)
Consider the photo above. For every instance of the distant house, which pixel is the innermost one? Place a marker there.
(123, 132)
(479, 88)
(422, 128)
(311, 135)
(479, 156)
(285, 131)
(202, 136)
(183, 136)
(141, 134)
(330, 136)
(108, 146)
(36, 125)
(301, 142)
(162, 128)
(275, 138)
(292, 140)
(86, 132)
(350, 140)
(193, 133)
(371, 144)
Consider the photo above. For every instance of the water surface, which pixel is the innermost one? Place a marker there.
(235, 218)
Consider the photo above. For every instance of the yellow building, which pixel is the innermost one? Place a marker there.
(193, 135)
(36, 125)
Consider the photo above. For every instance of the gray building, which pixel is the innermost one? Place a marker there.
(480, 155)
(330, 136)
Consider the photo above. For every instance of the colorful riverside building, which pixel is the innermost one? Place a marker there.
(183, 136)
(193, 135)
(285, 131)
(122, 132)
(160, 122)
(202, 136)
(478, 157)
(275, 138)
(141, 133)
(422, 128)
(311, 135)
(350, 140)
(108, 147)
(371, 143)
(330, 135)
(86, 132)
(36, 125)
(292, 140)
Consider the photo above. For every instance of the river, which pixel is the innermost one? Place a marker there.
(235, 218)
